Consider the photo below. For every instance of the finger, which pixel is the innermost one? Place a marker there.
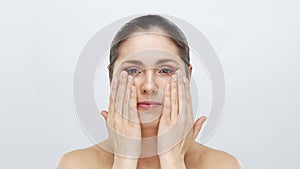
(112, 98)
(189, 108)
(167, 102)
(127, 97)
(133, 114)
(104, 113)
(198, 125)
(174, 98)
(121, 92)
(181, 93)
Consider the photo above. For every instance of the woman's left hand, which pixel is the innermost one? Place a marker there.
(177, 130)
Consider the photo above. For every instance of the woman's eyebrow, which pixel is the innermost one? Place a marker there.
(166, 60)
(136, 62)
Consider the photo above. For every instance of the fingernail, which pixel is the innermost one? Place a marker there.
(174, 77)
(168, 87)
(132, 88)
(179, 72)
(123, 74)
(130, 78)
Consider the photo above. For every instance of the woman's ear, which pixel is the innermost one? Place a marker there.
(108, 67)
(191, 69)
(198, 125)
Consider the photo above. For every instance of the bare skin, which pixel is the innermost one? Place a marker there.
(125, 95)
(198, 157)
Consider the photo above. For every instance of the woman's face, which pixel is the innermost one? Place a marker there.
(151, 59)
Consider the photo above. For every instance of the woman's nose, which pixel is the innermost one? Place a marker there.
(149, 85)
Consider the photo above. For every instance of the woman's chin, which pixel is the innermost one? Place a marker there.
(151, 125)
(149, 121)
(150, 116)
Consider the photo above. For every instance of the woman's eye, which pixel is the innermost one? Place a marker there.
(166, 71)
(133, 71)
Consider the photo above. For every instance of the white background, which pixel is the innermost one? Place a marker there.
(257, 43)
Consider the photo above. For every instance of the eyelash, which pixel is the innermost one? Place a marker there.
(127, 70)
(138, 71)
(171, 71)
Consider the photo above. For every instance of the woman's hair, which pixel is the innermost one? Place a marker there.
(150, 23)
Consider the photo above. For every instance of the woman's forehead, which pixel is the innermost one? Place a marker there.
(151, 58)
(144, 41)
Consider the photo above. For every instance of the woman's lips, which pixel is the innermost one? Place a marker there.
(148, 105)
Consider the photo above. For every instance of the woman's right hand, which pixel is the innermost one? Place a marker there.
(122, 121)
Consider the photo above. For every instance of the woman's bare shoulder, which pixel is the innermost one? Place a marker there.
(209, 158)
(199, 157)
(90, 158)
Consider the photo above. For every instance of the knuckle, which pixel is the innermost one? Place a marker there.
(174, 100)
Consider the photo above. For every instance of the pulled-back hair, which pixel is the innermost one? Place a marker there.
(150, 23)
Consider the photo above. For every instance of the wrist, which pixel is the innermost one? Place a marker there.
(124, 162)
(174, 161)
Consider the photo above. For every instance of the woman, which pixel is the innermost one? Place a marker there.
(150, 120)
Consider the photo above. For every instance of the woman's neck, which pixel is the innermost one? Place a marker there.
(149, 132)
(149, 142)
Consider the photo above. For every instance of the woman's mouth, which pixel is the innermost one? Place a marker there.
(148, 105)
